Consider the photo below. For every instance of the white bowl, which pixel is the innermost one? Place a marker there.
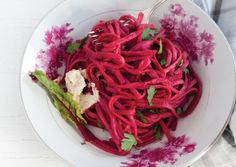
(204, 126)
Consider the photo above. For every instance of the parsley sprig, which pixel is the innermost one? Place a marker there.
(186, 70)
(150, 93)
(160, 48)
(146, 34)
(72, 47)
(128, 142)
(157, 130)
(141, 117)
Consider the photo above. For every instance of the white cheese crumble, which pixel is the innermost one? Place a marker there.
(75, 83)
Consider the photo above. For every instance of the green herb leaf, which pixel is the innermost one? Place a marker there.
(163, 62)
(161, 48)
(146, 34)
(186, 70)
(158, 132)
(141, 117)
(54, 89)
(72, 47)
(128, 142)
(64, 114)
(179, 110)
(150, 93)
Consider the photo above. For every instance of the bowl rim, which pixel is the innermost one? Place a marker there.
(191, 161)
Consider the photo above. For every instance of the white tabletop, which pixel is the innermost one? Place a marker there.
(19, 145)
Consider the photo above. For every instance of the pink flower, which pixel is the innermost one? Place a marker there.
(183, 29)
(58, 35)
(51, 59)
(168, 22)
(204, 36)
(177, 9)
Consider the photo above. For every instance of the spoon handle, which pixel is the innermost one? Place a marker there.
(150, 11)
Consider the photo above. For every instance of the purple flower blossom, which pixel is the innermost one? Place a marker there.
(204, 36)
(167, 154)
(183, 29)
(177, 9)
(51, 59)
(58, 35)
(168, 23)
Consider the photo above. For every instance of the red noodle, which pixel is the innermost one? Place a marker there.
(123, 66)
